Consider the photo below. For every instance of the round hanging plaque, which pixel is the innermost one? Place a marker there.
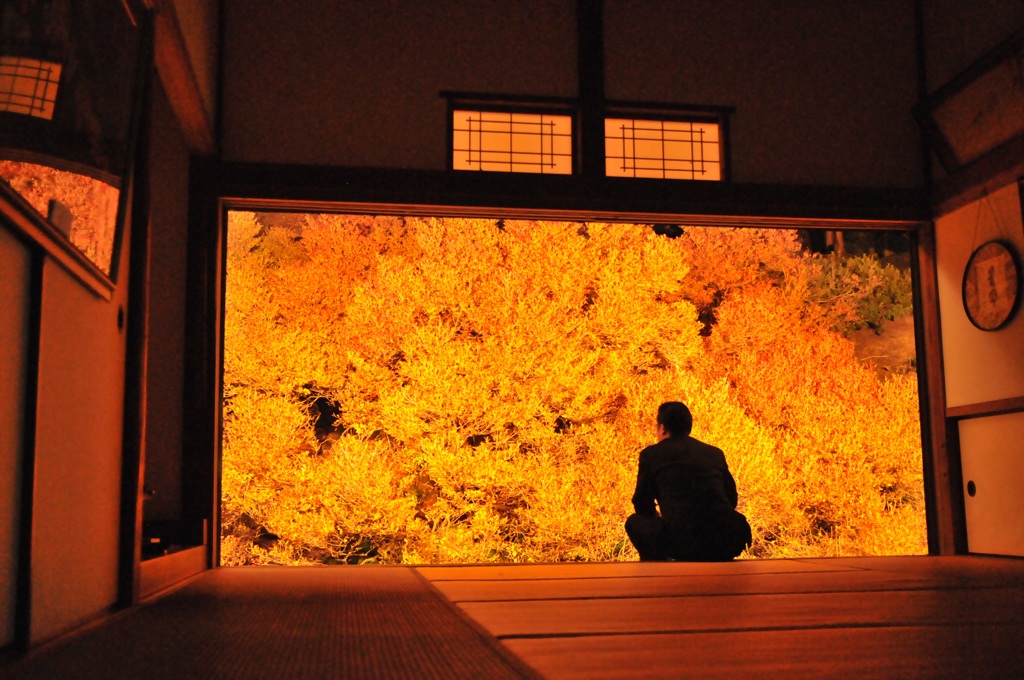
(991, 287)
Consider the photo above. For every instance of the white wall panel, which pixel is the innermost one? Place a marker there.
(979, 365)
(992, 450)
(78, 455)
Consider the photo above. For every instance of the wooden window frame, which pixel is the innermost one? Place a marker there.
(542, 106)
(594, 146)
(682, 113)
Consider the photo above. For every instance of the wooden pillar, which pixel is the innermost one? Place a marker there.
(943, 484)
(590, 30)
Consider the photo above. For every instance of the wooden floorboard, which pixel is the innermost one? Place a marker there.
(889, 617)
(625, 569)
(978, 651)
(677, 586)
(748, 612)
(971, 565)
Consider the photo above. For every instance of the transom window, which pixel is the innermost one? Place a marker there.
(509, 133)
(502, 141)
(28, 86)
(662, 149)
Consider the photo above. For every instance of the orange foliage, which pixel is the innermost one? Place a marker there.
(92, 203)
(450, 390)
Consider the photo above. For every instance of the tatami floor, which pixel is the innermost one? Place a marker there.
(912, 617)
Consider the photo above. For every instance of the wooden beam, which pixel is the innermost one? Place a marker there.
(174, 65)
(133, 446)
(26, 502)
(590, 55)
(480, 194)
(201, 442)
(987, 408)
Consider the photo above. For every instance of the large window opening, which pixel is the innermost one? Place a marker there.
(445, 390)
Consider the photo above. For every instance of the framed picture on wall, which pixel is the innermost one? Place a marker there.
(992, 286)
(980, 109)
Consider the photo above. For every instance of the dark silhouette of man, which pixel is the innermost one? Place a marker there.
(695, 492)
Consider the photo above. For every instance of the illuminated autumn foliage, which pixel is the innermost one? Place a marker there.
(92, 203)
(455, 390)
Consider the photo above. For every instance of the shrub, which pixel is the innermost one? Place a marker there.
(867, 291)
(449, 390)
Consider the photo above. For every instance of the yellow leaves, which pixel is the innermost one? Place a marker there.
(495, 382)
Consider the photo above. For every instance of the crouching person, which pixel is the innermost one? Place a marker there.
(695, 492)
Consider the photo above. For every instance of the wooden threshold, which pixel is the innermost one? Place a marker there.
(160, 573)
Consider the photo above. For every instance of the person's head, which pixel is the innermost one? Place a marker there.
(674, 419)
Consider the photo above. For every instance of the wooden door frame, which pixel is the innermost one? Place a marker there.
(219, 187)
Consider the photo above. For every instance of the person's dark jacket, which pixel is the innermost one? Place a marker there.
(696, 495)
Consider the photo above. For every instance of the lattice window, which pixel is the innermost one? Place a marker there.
(499, 141)
(663, 149)
(28, 86)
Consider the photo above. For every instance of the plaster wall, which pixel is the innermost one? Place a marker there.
(358, 84)
(823, 91)
(980, 366)
(78, 453)
(168, 244)
(959, 33)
